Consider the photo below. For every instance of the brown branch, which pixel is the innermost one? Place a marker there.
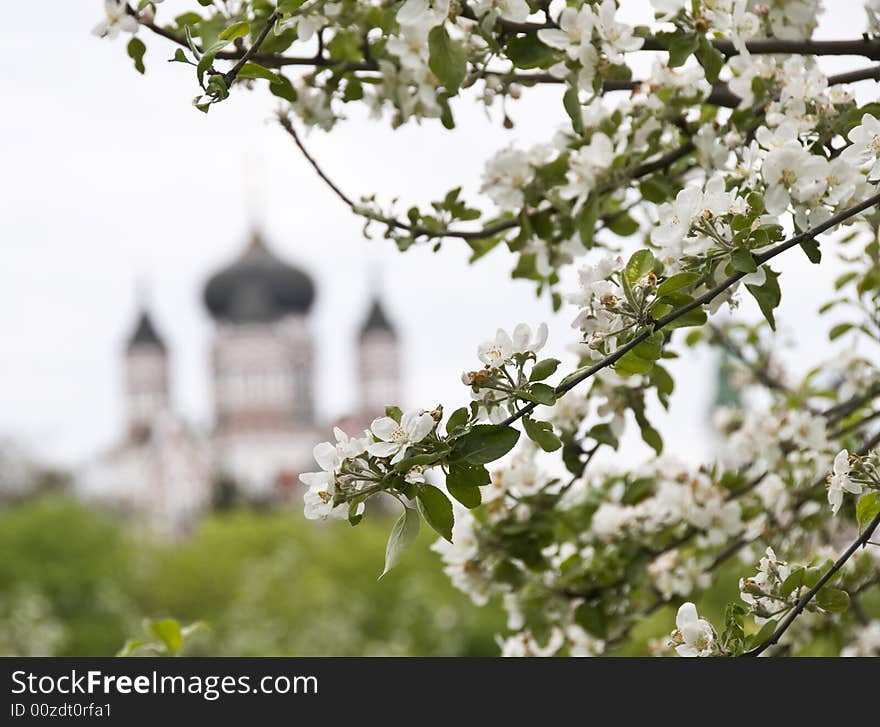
(415, 230)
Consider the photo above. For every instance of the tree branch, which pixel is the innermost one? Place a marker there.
(804, 600)
(232, 74)
(707, 297)
(414, 230)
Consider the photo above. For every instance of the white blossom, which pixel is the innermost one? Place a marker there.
(865, 146)
(396, 438)
(575, 29)
(516, 11)
(839, 481)
(617, 38)
(505, 176)
(117, 20)
(693, 636)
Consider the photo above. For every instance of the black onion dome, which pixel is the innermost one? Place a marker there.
(145, 333)
(258, 287)
(376, 320)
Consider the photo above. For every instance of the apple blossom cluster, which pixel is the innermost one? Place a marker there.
(652, 208)
(503, 382)
(353, 465)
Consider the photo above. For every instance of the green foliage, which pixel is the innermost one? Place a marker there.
(136, 50)
(437, 510)
(403, 535)
(541, 433)
(486, 442)
(265, 583)
(867, 508)
(447, 58)
(768, 296)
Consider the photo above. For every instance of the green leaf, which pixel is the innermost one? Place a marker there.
(592, 618)
(208, 58)
(540, 394)
(651, 348)
(255, 70)
(640, 359)
(526, 51)
(457, 419)
(656, 189)
(394, 412)
(544, 369)
(486, 442)
(623, 225)
(403, 535)
(768, 296)
(710, 58)
(427, 458)
(812, 251)
(446, 58)
(437, 510)
(832, 599)
(676, 282)
(640, 264)
(743, 261)
(464, 473)
(283, 88)
(651, 437)
(631, 363)
(541, 433)
(587, 219)
(179, 57)
(468, 495)
(136, 50)
(236, 30)
(838, 330)
(867, 508)
(464, 481)
(765, 633)
(733, 636)
(572, 105)
(604, 434)
(168, 632)
(789, 585)
(681, 48)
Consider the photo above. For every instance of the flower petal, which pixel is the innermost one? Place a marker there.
(384, 427)
(687, 614)
(419, 427)
(382, 449)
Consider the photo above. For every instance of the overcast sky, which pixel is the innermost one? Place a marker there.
(110, 177)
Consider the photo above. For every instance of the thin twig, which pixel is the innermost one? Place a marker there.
(804, 600)
(700, 301)
(232, 74)
(415, 230)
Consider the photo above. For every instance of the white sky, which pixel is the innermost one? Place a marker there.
(109, 176)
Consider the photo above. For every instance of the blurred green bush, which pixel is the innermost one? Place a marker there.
(76, 581)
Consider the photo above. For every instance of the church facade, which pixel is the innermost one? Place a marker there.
(265, 424)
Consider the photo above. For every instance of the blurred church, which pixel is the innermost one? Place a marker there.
(264, 418)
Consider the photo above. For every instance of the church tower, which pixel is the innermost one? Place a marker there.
(262, 367)
(147, 385)
(378, 361)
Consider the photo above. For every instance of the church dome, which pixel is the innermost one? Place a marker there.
(258, 287)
